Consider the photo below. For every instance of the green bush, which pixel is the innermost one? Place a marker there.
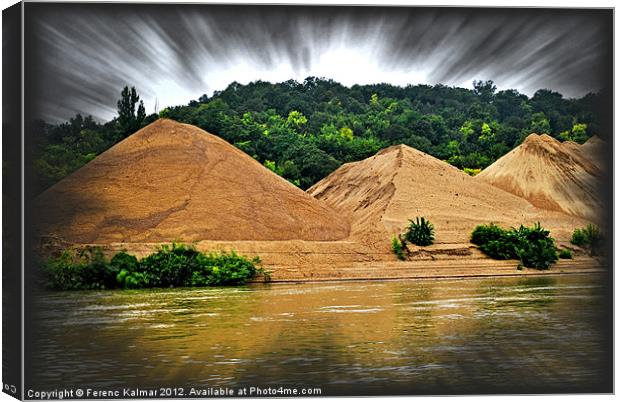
(224, 269)
(534, 247)
(420, 232)
(170, 266)
(397, 248)
(483, 234)
(503, 249)
(589, 237)
(578, 238)
(64, 272)
(531, 246)
(565, 254)
(132, 279)
(84, 269)
(123, 264)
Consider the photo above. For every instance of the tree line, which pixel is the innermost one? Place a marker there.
(305, 130)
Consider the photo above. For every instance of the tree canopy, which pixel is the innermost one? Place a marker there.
(305, 130)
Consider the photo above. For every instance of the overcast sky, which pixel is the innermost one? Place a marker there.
(84, 54)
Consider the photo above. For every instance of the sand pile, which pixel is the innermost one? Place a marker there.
(381, 193)
(551, 175)
(594, 149)
(172, 181)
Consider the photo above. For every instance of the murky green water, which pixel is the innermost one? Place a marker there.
(532, 334)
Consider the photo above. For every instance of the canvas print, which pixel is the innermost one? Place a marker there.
(206, 200)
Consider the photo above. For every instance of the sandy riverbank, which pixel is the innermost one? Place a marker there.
(301, 261)
(434, 270)
(175, 182)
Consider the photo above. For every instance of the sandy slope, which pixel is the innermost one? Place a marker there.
(552, 175)
(594, 149)
(382, 192)
(172, 181)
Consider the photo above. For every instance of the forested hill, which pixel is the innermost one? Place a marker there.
(304, 131)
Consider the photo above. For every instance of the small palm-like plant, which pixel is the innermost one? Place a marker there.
(420, 232)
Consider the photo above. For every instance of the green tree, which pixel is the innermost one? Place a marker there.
(540, 124)
(286, 122)
(346, 133)
(129, 119)
(578, 134)
(296, 119)
(485, 90)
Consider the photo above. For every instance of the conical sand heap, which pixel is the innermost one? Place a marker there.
(172, 181)
(594, 149)
(552, 175)
(382, 192)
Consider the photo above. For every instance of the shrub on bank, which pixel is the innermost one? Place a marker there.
(397, 248)
(420, 232)
(532, 246)
(170, 266)
(565, 254)
(483, 234)
(85, 269)
(589, 237)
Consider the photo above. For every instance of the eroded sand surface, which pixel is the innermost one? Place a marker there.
(382, 192)
(175, 182)
(552, 175)
(172, 181)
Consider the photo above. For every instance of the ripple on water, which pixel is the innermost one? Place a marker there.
(411, 332)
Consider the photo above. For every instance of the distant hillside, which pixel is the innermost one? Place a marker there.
(305, 130)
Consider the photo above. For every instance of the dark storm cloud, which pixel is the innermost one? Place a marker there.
(84, 54)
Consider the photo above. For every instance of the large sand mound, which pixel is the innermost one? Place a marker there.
(594, 149)
(551, 175)
(172, 181)
(382, 192)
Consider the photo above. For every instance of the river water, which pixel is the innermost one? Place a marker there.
(521, 334)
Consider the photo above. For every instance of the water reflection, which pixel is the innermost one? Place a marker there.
(492, 335)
